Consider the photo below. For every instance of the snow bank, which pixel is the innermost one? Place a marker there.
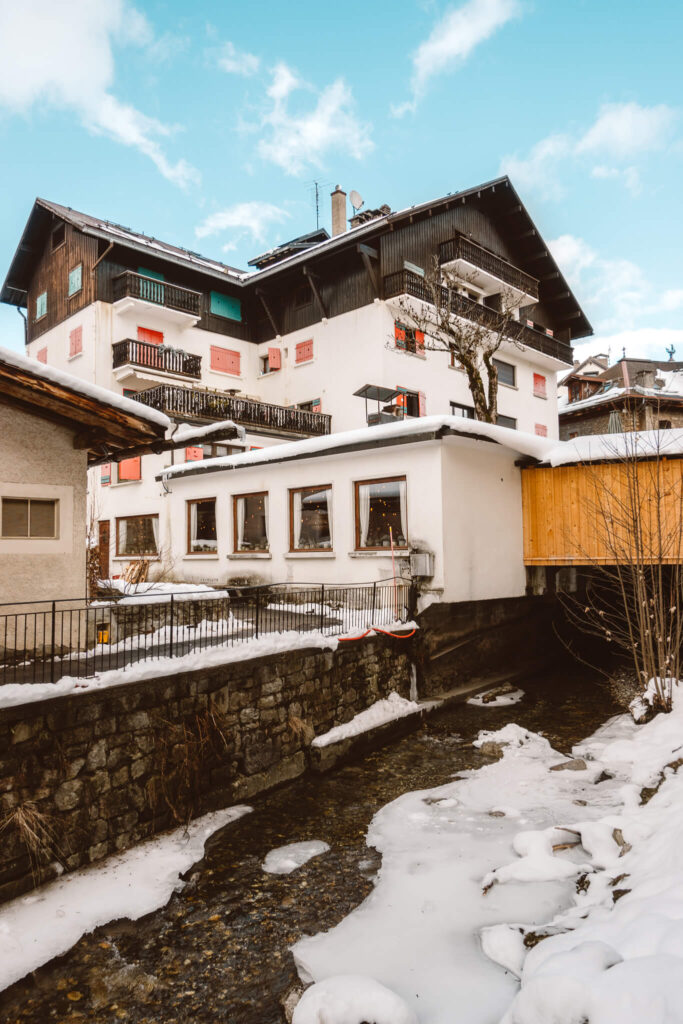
(46, 923)
(351, 999)
(382, 711)
(597, 447)
(501, 700)
(158, 593)
(286, 859)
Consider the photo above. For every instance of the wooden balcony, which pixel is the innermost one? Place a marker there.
(155, 358)
(461, 248)
(199, 404)
(161, 293)
(405, 282)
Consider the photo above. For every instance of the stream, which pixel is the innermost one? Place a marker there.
(219, 950)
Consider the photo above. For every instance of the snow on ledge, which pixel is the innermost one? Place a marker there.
(49, 921)
(389, 709)
(599, 447)
(186, 434)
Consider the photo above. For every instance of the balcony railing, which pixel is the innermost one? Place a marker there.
(156, 357)
(461, 248)
(173, 296)
(197, 404)
(405, 282)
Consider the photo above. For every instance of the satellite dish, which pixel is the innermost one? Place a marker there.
(356, 200)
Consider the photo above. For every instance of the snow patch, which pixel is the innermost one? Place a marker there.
(351, 999)
(286, 859)
(389, 709)
(499, 701)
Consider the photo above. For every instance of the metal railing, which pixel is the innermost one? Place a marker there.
(405, 282)
(155, 357)
(196, 403)
(173, 296)
(45, 641)
(461, 248)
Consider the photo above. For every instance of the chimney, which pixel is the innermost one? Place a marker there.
(338, 211)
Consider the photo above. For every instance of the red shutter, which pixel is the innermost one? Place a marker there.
(551, 334)
(105, 474)
(130, 469)
(530, 323)
(304, 351)
(541, 430)
(400, 399)
(422, 403)
(399, 335)
(194, 454)
(255, 447)
(539, 385)
(75, 341)
(41, 355)
(420, 342)
(150, 336)
(225, 360)
(274, 358)
(316, 405)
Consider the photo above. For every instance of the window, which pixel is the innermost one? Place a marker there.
(151, 285)
(304, 351)
(506, 421)
(272, 361)
(225, 305)
(75, 342)
(413, 403)
(408, 339)
(539, 386)
(137, 535)
(41, 306)
(75, 279)
(466, 411)
(130, 392)
(201, 527)
(58, 236)
(105, 474)
(664, 425)
(381, 513)
(507, 373)
(29, 517)
(150, 337)
(315, 405)
(129, 469)
(573, 434)
(310, 519)
(455, 362)
(302, 296)
(215, 451)
(540, 429)
(41, 355)
(250, 518)
(225, 360)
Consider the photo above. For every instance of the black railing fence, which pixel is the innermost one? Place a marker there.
(42, 642)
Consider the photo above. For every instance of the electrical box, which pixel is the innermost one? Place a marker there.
(421, 563)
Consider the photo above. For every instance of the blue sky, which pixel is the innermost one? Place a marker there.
(205, 126)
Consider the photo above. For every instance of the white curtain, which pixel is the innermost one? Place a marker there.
(193, 526)
(155, 531)
(364, 513)
(296, 520)
(123, 536)
(240, 510)
(265, 520)
(328, 493)
(403, 498)
(614, 423)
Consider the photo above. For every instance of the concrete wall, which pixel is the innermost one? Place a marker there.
(109, 768)
(38, 460)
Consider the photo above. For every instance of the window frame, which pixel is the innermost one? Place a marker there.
(356, 516)
(39, 316)
(513, 367)
(513, 419)
(299, 490)
(248, 551)
(70, 294)
(29, 536)
(123, 554)
(465, 408)
(200, 501)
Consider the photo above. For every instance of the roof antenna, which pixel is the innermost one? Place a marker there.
(623, 352)
(314, 190)
(671, 352)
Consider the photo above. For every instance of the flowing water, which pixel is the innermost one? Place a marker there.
(219, 950)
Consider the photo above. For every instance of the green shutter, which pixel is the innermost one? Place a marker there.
(149, 291)
(226, 306)
(76, 279)
(151, 273)
(41, 305)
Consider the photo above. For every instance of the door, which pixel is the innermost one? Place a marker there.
(104, 548)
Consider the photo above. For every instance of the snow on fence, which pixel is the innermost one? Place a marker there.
(40, 642)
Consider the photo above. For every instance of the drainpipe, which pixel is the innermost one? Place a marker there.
(25, 319)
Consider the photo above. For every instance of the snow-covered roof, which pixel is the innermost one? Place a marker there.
(401, 431)
(672, 387)
(83, 387)
(605, 447)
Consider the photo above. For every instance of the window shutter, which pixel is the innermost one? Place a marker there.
(551, 334)
(274, 358)
(76, 279)
(304, 351)
(316, 405)
(41, 355)
(105, 474)
(399, 335)
(150, 336)
(130, 469)
(530, 323)
(541, 430)
(400, 399)
(75, 341)
(194, 454)
(539, 385)
(224, 360)
(422, 403)
(420, 342)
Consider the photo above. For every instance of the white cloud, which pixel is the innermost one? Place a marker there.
(251, 219)
(453, 39)
(68, 62)
(645, 342)
(294, 140)
(620, 132)
(236, 62)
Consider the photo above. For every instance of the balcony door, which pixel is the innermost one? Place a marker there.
(151, 291)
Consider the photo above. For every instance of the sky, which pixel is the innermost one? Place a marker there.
(206, 127)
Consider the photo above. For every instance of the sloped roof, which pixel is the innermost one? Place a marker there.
(297, 244)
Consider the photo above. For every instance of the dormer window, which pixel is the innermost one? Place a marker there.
(58, 236)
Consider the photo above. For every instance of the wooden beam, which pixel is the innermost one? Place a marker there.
(541, 255)
(269, 314)
(314, 288)
(531, 233)
(368, 255)
(550, 277)
(512, 210)
(560, 297)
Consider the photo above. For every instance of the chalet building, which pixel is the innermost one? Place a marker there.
(634, 394)
(307, 342)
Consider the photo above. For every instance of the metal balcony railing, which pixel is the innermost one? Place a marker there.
(461, 248)
(173, 296)
(156, 357)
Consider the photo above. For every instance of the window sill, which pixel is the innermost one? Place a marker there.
(294, 555)
(201, 557)
(405, 352)
(304, 362)
(381, 553)
(510, 387)
(542, 397)
(226, 373)
(459, 369)
(237, 555)
(123, 483)
(271, 373)
(74, 295)
(133, 558)
(74, 356)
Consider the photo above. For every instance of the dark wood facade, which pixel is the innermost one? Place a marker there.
(52, 277)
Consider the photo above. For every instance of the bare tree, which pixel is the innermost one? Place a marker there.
(471, 333)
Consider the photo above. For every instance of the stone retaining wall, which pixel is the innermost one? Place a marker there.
(100, 771)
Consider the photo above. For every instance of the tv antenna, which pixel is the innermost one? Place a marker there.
(315, 190)
(356, 200)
